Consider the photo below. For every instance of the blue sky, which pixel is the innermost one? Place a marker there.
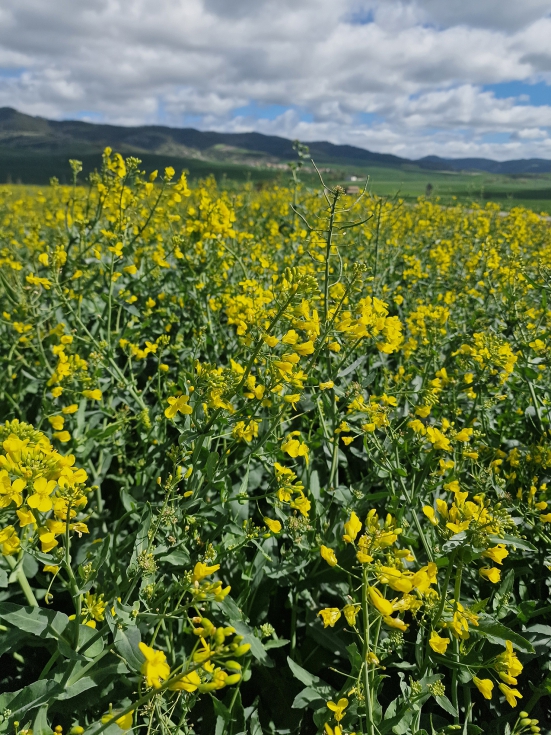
(454, 78)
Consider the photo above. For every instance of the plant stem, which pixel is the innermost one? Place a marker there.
(367, 684)
(23, 581)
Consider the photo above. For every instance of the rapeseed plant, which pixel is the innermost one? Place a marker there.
(339, 407)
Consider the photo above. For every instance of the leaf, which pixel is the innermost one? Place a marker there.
(91, 644)
(126, 643)
(278, 643)
(513, 541)
(257, 649)
(40, 725)
(142, 537)
(82, 685)
(302, 675)
(445, 703)
(23, 701)
(498, 633)
(352, 367)
(210, 465)
(35, 620)
(11, 640)
(255, 726)
(3, 578)
(454, 542)
(306, 697)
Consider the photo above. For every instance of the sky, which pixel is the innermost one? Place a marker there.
(454, 78)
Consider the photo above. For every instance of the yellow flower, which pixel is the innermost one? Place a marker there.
(511, 695)
(124, 722)
(25, 516)
(9, 541)
(178, 404)
(270, 340)
(291, 338)
(464, 435)
(379, 602)
(484, 686)
(94, 395)
(350, 613)
(330, 615)
(62, 436)
(294, 447)
(492, 574)
(243, 430)
(292, 398)
(437, 643)
(274, 526)
(51, 568)
(395, 623)
(302, 504)
(329, 555)
(40, 499)
(47, 539)
(188, 682)
(10, 492)
(201, 571)
(56, 422)
(428, 510)
(155, 667)
(338, 708)
(327, 386)
(352, 527)
(73, 408)
(496, 553)
(306, 348)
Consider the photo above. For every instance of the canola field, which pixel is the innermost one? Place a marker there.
(271, 461)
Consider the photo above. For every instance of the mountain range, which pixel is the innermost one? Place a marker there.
(32, 147)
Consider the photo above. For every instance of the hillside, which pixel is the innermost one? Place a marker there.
(33, 148)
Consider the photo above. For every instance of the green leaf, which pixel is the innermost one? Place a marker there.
(257, 649)
(445, 703)
(210, 465)
(23, 701)
(302, 675)
(498, 633)
(306, 697)
(519, 543)
(127, 644)
(40, 725)
(35, 620)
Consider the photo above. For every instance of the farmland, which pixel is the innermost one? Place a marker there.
(274, 458)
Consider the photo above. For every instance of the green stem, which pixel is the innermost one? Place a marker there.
(23, 581)
(328, 253)
(367, 683)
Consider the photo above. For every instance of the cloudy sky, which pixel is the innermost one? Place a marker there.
(412, 77)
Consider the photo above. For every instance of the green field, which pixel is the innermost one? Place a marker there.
(533, 191)
(407, 182)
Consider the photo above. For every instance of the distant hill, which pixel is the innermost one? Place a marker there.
(33, 148)
(519, 166)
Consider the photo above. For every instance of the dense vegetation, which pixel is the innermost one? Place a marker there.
(273, 461)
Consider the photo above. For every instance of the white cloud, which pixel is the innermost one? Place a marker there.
(403, 76)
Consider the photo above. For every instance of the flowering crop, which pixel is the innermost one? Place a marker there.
(271, 461)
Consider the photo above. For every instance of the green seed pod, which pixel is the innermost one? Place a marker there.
(232, 665)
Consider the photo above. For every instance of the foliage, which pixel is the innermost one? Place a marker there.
(273, 461)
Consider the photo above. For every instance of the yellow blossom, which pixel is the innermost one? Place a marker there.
(155, 668)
